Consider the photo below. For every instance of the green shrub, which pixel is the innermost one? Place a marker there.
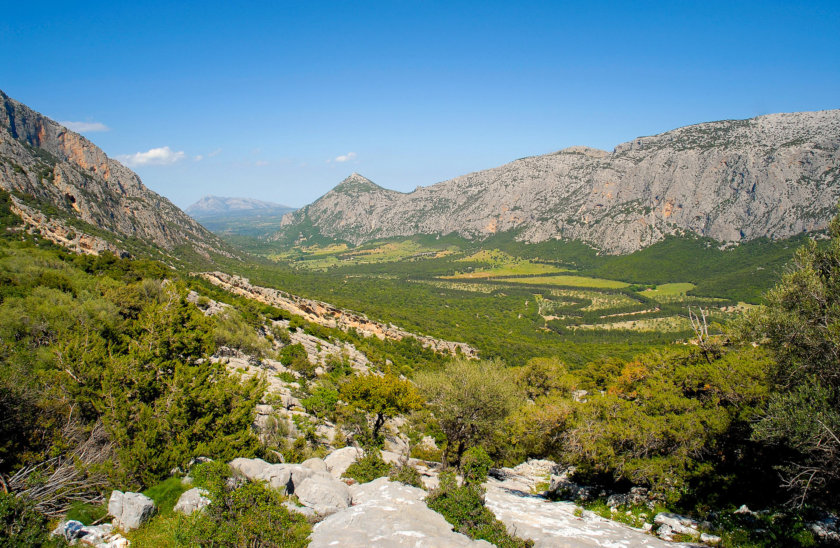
(475, 466)
(251, 515)
(406, 474)
(463, 507)
(285, 376)
(232, 330)
(322, 402)
(294, 356)
(211, 475)
(368, 468)
(20, 524)
(280, 334)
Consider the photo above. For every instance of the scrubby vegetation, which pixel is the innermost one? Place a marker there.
(463, 505)
(107, 382)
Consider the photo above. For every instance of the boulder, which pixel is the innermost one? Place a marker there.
(325, 495)
(318, 465)
(191, 501)
(130, 510)
(302, 510)
(101, 536)
(340, 460)
(635, 497)
(250, 468)
(386, 514)
(278, 476)
(674, 523)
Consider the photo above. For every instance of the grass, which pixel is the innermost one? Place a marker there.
(569, 281)
(166, 494)
(523, 268)
(666, 324)
(668, 290)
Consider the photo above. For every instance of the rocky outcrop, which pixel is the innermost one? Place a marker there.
(328, 315)
(192, 500)
(130, 510)
(736, 180)
(65, 175)
(323, 493)
(387, 515)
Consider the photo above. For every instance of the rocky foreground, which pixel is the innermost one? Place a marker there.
(384, 513)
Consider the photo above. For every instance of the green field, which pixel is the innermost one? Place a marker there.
(668, 290)
(516, 301)
(569, 281)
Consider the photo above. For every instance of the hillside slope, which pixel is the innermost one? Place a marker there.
(65, 176)
(737, 180)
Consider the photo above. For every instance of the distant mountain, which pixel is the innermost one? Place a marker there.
(239, 216)
(736, 180)
(67, 188)
(213, 206)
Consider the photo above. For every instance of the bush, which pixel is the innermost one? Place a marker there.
(475, 466)
(406, 474)
(20, 524)
(368, 468)
(295, 356)
(211, 475)
(463, 507)
(251, 515)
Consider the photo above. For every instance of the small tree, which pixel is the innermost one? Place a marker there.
(801, 324)
(382, 397)
(471, 399)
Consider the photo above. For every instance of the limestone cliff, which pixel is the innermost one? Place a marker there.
(69, 176)
(736, 180)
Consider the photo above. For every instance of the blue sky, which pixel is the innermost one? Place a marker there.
(281, 101)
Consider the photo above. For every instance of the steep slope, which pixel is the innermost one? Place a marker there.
(56, 175)
(213, 206)
(776, 176)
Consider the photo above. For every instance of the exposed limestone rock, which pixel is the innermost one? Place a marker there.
(193, 500)
(318, 465)
(340, 460)
(43, 159)
(734, 180)
(328, 315)
(552, 524)
(388, 515)
(323, 493)
(130, 510)
(251, 469)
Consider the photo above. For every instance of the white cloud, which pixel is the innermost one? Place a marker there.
(346, 157)
(85, 127)
(155, 157)
(198, 158)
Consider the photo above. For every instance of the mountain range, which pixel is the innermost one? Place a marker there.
(214, 206)
(736, 180)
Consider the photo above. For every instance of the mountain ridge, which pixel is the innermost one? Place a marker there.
(55, 174)
(732, 180)
(211, 205)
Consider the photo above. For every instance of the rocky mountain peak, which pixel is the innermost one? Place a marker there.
(356, 183)
(734, 180)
